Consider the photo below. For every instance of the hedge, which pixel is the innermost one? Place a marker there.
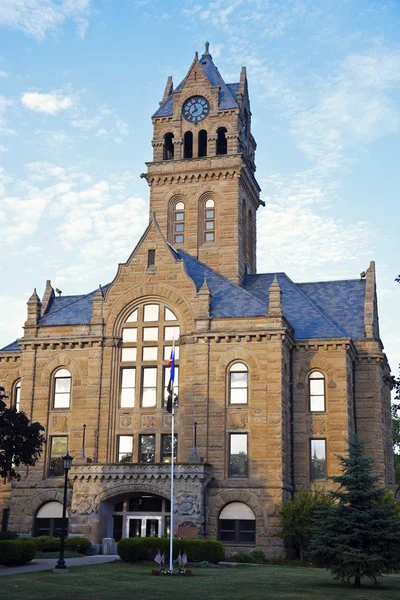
(135, 549)
(46, 543)
(16, 552)
(8, 535)
(78, 544)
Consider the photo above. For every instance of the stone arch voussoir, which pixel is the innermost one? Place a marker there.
(11, 379)
(226, 497)
(238, 353)
(63, 359)
(36, 502)
(316, 362)
(128, 488)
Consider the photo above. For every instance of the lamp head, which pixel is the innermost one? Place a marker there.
(67, 462)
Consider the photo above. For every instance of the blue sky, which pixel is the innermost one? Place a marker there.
(79, 80)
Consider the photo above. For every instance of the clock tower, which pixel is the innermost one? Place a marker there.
(202, 178)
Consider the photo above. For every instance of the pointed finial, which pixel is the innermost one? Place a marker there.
(196, 55)
(207, 49)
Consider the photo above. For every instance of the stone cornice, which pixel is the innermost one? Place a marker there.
(67, 342)
(331, 344)
(140, 472)
(10, 356)
(250, 335)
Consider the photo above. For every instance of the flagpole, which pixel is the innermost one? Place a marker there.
(171, 525)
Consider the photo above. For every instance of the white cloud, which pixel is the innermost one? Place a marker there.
(37, 18)
(3, 149)
(50, 104)
(3, 74)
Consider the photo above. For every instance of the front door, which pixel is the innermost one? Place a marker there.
(145, 526)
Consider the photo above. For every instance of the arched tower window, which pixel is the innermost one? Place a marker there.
(316, 385)
(62, 389)
(250, 239)
(207, 218)
(188, 145)
(179, 223)
(202, 143)
(222, 142)
(244, 234)
(176, 220)
(17, 395)
(238, 384)
(49, 519)
(168, 148)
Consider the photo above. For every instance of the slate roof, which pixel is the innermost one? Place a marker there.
(228, 299)
(327, 309)
(316, 310)
(13, 347)
(343, 301)
(227, 93)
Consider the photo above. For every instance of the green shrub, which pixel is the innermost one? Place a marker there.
(78, 544)
(8, 535)
(241, 557)
(136, 549)
(16, 552)
(258, 557)
(46, 543)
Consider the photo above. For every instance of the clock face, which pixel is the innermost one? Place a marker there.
(195, 109)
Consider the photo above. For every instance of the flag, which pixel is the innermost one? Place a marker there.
(184, 558)
(170, 387)
(179, 559)
(158, 558)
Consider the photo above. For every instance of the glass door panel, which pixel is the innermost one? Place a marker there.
(134, 527)
(152, 527)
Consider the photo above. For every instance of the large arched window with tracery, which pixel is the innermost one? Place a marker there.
(148, 334)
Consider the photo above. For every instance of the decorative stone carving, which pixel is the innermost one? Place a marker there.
(148, 421)
(238, 420)
(125, 421)
(332, 385)
(59, 423)
(317, 427)
(300, 386)
(83, 504)
(187, 504)
(167, 421)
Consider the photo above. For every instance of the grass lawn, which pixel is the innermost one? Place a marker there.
(116, 581)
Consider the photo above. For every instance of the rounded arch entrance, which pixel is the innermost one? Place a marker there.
(135, 511)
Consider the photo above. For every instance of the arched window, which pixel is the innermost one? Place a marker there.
(168, 147)
(209, 221)
(222, 142)
(49, 519)
(316, 384)
(238, 384)
(237, 524)
(188, 145)
(202, 143)
(62, 389)
(17, 395)
(147, 338)
(179, 223)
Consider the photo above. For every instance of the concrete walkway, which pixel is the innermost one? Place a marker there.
(43, 564)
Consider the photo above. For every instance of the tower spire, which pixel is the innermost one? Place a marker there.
(207, 49)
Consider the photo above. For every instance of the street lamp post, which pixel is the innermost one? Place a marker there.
(67, 463)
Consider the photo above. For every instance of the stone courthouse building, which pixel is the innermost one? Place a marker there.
(273, 375)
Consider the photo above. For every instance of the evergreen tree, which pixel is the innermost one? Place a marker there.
(359, 536)
(21, 442)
